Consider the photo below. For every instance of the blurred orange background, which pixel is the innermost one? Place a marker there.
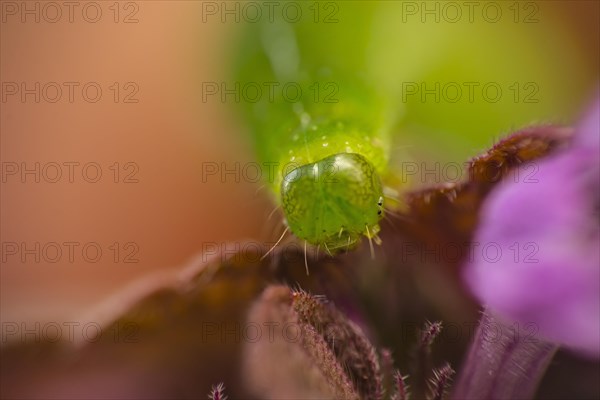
(168, 134)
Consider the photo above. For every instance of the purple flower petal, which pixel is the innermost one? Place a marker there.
(545, 267)
(588, 128)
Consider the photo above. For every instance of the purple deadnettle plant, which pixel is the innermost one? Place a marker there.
(548, 230)
(359, 328)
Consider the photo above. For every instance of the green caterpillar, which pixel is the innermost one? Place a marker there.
(336, 99)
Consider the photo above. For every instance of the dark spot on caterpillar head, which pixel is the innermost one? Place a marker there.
(379, 212)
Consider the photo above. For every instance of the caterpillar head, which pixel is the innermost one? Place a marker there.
(333, 202)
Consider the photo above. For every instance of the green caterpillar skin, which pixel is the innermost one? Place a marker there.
(333, 201)
(331, 144)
